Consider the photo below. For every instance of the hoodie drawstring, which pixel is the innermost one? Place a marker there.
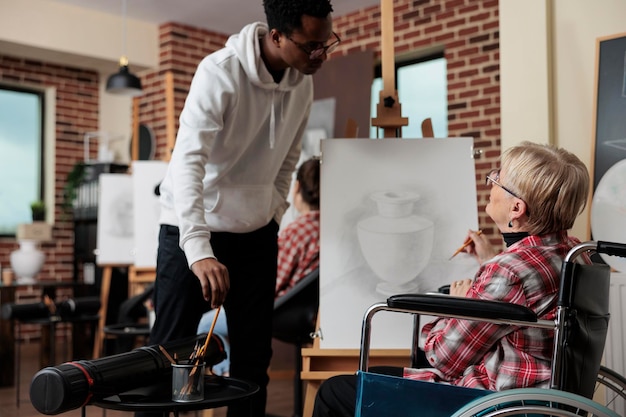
(282, 106)
(272, 123)
(273, 117)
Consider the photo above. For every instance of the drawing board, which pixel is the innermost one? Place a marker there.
(115, 239)
(392, 213)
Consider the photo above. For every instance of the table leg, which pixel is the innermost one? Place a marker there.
(17, 365)
(53, 343)
(7, 335)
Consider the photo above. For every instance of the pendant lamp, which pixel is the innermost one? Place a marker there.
(123, 82)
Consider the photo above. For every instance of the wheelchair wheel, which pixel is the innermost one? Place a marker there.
(614, 388)
(536, 402)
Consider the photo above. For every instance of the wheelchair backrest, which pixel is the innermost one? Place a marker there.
(584, 330)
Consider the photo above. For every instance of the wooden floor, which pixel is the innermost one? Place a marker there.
(279, 403)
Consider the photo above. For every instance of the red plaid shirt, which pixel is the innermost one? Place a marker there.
(497, 357)
(298, 250)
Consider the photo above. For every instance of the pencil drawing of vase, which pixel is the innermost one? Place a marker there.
(396, 243)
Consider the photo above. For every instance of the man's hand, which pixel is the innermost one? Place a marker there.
(213, 277)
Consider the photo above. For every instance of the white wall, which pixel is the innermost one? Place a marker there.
(525, 72)
(116, 114)
(74, 35)
(560, 87)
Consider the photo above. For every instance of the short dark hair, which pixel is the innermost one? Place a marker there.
(286, 15)
(308, 175)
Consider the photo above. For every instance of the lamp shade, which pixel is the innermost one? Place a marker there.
(124, 83)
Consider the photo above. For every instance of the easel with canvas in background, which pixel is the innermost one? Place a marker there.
(107, 269)
(138, 278)
(320, 364)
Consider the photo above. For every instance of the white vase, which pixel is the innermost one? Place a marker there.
(27, 261)
(397, 244)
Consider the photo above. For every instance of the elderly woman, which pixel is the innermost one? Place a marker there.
(535, 197)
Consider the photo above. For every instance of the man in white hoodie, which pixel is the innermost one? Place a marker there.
(228, 179)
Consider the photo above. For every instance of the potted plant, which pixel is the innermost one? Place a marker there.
(38, 209)
(74, 179)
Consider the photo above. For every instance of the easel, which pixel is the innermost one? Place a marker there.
(105, 288)
(107, 270)
(137, 277)
(388, 111)
(321, 364)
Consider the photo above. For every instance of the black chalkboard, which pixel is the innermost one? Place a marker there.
(610, 126)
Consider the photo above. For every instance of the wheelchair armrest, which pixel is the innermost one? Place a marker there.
(472, 308)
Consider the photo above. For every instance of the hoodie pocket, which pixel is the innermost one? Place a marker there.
(242, 208)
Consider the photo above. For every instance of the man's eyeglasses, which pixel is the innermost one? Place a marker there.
(315, 52)
(493, 177)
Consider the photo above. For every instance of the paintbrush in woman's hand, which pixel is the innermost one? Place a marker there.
(465, 244)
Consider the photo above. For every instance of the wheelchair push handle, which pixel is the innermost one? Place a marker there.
(608, 248)
(612, 248)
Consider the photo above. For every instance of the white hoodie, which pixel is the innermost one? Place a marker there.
(237, 145)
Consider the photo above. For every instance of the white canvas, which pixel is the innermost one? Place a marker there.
(354, 253)
(115, 220)
(147, 175)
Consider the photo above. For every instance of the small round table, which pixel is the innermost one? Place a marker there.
(128, 332)
(218, 392)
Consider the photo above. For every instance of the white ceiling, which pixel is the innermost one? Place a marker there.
(225, 16)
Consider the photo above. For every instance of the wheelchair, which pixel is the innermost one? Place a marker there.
(580, 329)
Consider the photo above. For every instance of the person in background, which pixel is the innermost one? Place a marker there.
(298, 249)
(535, 197)
(226, 185)
(299, 241)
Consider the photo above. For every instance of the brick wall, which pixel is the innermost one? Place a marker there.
(181, 48)
(76, 114)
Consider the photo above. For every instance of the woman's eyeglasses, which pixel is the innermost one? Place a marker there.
(316, 52)
(493, 177)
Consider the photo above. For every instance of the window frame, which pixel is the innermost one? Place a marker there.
(41, 96)
(411, 58)
(406, 61)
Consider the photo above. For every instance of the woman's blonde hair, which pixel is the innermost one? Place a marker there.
(553, 182)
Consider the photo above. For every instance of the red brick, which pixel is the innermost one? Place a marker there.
(456, 22)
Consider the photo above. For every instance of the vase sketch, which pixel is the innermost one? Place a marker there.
(27, 261)
(396, 243)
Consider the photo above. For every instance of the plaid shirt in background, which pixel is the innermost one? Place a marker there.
(298, 250)
(497, 357)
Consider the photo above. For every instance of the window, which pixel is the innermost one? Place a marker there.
(21, 159)
(423, 93)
